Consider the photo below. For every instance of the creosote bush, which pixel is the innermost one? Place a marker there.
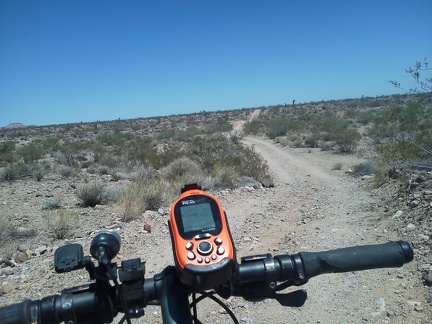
(91, 194)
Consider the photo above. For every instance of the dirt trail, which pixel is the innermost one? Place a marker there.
(314, 208)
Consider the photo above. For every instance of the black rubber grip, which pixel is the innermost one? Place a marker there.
(16, 313)
(388, 255)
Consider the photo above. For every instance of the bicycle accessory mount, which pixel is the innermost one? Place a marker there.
(203, 248)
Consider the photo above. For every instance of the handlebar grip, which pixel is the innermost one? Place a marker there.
(356, 258)
(16, 313)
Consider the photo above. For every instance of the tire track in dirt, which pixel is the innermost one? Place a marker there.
(319, 209)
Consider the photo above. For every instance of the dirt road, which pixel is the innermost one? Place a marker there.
(311, 208)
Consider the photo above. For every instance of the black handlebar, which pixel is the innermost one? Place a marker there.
(392, 254)
(256, 278)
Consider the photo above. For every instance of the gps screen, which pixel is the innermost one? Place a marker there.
(197, 218)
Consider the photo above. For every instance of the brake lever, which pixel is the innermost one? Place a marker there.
(292, 299)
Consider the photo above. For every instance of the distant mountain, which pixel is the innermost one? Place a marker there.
(15, 125)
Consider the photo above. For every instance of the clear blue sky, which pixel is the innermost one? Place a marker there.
(72, 61)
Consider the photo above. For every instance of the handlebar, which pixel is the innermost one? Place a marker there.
(256, 278)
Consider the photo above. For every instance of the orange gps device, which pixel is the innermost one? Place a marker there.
(203, 248)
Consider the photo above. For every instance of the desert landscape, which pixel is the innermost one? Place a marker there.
(291, 178)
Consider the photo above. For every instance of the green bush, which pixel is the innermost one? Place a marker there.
(252, 127)
(183, 170)
(116, 138)
(280, 126)
(220, 126)
(216, 151)
(91, 194)
(347, 139)
(61, 222)
(7, 147)
(30, 153)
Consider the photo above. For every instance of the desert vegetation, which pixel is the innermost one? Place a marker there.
(149, 159)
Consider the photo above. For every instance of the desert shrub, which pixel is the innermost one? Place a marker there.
(346, 139)
(52, 203)
(280, 126)
(30, 153)
(145, 174)
(251, 164)
(103, 170)
(236, 137)
(50, 144)
(216, 151)
(361, 169)
(65, 157)
(15, 171)
(143, 195)
(165, 134)
(7, 155)
(221, 125)
(61, 222)
(65, 171)
(86, 164)
(312, 140)
(6, 228)
(119, 175)
(252, 127)
(115, 138)
(38, 172)
(380, 175)
(337, 166)
(183, 170)
(187, 134)
(226, 177)
(115, 192)
(7, 147)
(91, 194)
(325, 146)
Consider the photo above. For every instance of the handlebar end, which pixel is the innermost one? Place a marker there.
(407, 250)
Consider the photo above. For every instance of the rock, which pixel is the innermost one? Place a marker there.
(410, 227)
(7, 271)
(423, 237)
(21, 257)
(420, 179)
(41, 250)
(268, 183)
(397, 214)
(428, 279)
(417, 195)
(161, 211)
(147, 228)
(414, 203)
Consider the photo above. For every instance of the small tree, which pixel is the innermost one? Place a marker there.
(420, 72)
